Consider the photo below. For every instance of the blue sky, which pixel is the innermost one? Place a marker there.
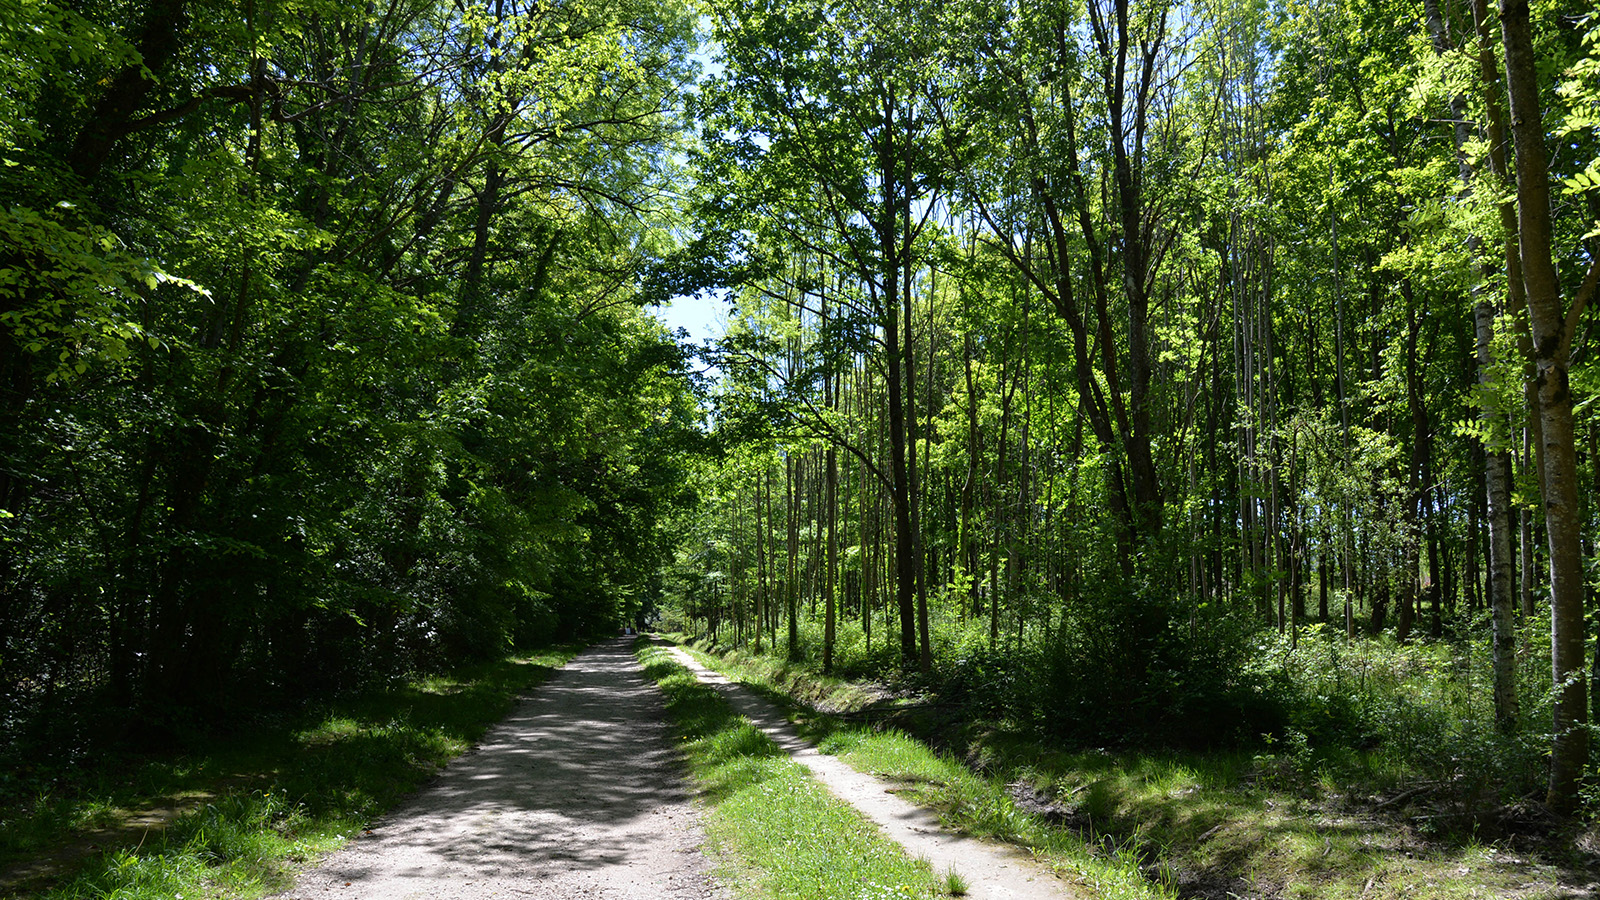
(703, 314)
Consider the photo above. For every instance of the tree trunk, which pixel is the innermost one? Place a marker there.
(1532, 460)
(791, 579)
(1552, 326)
(966, 556)
(865, 580)
(831, 577)
(913, 478)
(830, 392)
(125, 92)
(1380, 602)
(1497, 490)
(1322, 583)
(900, 490)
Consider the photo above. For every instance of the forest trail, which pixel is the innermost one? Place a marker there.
(578, 793)
(992, 872)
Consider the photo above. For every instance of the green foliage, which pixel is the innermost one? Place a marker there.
(91, 283)
(1314, 186)
(1313, 817)
(323, 360)
(1417, 711)
(974, 802)
(1125, 671)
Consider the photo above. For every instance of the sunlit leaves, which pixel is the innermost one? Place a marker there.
(71, 292)
(41, 41)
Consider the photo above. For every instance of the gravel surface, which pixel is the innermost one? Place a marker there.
(577, 794)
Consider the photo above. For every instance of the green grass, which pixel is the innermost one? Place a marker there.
(779, 834)
(1287, 821)
(242, 812)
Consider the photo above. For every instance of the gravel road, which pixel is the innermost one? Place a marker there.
(577, 794)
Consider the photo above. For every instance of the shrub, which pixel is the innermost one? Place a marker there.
(1123, 669)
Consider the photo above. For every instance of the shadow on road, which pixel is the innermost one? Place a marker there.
(581, 777)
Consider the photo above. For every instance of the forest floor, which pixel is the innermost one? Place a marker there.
(118, 828)
(236, 810)
(580, 791)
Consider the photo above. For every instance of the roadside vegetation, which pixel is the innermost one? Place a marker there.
(235, 814)
(780, 834)
(1419, 797)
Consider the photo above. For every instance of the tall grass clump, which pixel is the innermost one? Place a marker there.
(1408, 712)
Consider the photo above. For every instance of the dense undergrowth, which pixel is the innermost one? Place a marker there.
(1141, 676)
(1311, 703)
(1359, 768)
(231, 814)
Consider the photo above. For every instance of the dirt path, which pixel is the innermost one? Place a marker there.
(577, 794)
(992, 872)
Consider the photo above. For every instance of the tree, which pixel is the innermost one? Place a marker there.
(1092, 256)
(1552, 321)
(828, 113)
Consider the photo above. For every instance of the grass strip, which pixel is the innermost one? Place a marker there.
(779, 833)
(257, 806)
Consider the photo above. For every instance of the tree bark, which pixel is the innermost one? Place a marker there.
(1497, 488)
(1497, 455)
(900, 489)
(831, 502)
(1551, 323)
(792, 575)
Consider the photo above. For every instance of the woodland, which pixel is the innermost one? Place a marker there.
(1125, 373)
